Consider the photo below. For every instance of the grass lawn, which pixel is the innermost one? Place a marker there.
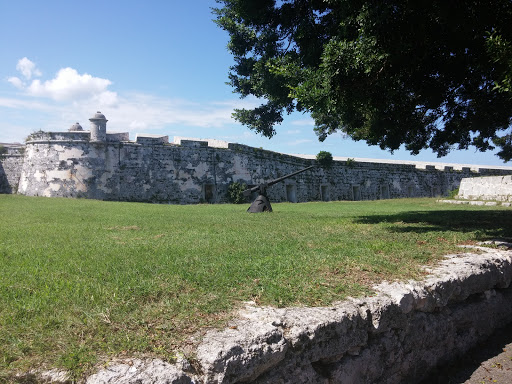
(83, 280)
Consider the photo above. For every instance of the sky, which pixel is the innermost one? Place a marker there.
(151, 67)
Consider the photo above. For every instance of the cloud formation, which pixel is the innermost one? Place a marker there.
(70, 96)
(70, 85)
(17, 82)
(67, 85)
(304, 122)
(138, 112)
(27, 68)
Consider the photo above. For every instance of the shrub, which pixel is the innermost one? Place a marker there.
(324, 158)
(235, 192)
(453, 193)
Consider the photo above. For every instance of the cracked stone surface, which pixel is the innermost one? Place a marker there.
(141, 372)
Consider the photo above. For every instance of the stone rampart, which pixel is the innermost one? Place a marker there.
(10, 172)
(150, 169)
(497, 188)
(11, 162)
(396, 336)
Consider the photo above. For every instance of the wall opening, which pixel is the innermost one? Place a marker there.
(384, 191)
(410, 191)
(356, 193)
(436, 191)
(324, 193)
(291, 193)
(209, 193)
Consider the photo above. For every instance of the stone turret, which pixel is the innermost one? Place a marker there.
(98, 127)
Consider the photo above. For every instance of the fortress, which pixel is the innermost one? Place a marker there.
(97, 164)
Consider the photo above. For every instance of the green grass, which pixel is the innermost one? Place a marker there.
(83, 280)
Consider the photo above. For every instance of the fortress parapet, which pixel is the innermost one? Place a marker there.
(194, 143)
(147, 139)
(43, 137)
(212, 143)
(109, 166)
(117, 137)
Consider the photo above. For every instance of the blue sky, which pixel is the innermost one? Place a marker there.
(151, 66)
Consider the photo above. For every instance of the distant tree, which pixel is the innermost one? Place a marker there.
(422, 73)
(324, 158)
(3, 150)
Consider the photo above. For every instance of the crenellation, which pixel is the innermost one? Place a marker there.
(147, 139)
(118, 137)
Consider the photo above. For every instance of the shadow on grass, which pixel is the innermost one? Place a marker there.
(486, 224)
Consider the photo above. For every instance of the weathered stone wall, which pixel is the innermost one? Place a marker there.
(396, 336)
(10, 172)
(498, 188)
(68, 164)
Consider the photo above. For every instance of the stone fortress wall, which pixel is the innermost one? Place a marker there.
(11, 163)
(108, 166)
(498, 188)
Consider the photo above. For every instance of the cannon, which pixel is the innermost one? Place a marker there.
(262, 203)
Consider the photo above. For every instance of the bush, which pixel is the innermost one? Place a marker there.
(236, 192)
(453, 193)
(3, 150)
(324, 158)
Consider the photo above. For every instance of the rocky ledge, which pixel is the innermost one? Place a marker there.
(396, 336)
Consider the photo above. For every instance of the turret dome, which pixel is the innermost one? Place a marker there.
(76, 127)
(98, 116)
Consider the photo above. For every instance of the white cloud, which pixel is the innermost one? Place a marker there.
(27, 68)
(70, 96)
(29, 105)
(16, 81)
(300, 141)
(138, 125)
(105, 98)
(140, 111)
(134, 112)
(310, 122)
(70, 85)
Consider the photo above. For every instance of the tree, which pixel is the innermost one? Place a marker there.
(324, 159)
(421, 73)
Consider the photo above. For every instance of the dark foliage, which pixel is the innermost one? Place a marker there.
(324, 158)
(235, 193)
(424, 74)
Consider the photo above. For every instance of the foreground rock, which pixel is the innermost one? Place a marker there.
(397, 336)
(139, 371)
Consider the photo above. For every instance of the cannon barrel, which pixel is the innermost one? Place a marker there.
(287, 176)
(261, 187)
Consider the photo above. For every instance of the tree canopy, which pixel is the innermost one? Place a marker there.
(427, 74)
